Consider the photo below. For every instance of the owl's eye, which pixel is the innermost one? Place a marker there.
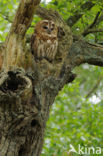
(45, 27)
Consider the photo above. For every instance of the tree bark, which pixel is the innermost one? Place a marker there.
(28, 88)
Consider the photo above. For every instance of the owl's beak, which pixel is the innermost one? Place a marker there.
(49, 31)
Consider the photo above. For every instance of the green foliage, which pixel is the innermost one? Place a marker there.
(75, 118)
(7, 12)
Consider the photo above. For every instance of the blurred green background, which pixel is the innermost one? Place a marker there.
(77, 113)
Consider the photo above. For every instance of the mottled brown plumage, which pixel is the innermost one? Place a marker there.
(44, 41)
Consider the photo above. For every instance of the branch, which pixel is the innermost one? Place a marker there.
(24, 16)
(6, 17)
(84, 52)
(95, 20)
(15, 47)
(91, 31)
(77, 14)
(94, 87)
(100, 19)
(94, 56)
(86, 31)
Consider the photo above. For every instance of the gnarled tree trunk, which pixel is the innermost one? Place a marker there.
(28, 88)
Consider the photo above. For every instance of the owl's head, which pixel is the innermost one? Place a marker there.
(47, 28)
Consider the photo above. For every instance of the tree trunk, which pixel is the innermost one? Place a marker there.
(28, 88)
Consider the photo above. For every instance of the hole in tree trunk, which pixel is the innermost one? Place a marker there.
(34, 123)
(21, 151)
(13, 82)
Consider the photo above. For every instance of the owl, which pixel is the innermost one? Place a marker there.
(44, 41)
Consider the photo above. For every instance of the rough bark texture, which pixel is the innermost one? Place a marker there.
(28, 89)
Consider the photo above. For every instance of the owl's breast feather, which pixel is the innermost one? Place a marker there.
(48, 41)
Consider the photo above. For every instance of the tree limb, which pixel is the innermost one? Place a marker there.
(21, 23)
(77, 14)
(6, 17)
(95, 20)
(84, 52)
(94, 87)
(24, 16)
(100, 19)
(87, 30)
(91, 31)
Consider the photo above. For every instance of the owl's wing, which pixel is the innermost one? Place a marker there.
(32, 43)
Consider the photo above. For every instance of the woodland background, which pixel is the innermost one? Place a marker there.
(77, 115)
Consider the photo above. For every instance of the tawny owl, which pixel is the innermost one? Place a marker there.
(44, 41)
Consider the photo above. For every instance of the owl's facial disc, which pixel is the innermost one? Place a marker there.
(48, 28)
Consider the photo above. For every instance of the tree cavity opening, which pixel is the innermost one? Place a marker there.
(13, 82)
